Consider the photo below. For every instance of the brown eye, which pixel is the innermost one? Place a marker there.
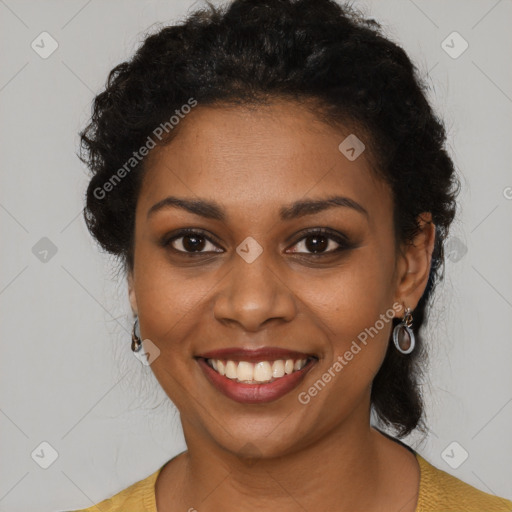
(191, 241)
(320, 242)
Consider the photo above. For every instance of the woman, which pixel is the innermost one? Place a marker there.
(276, 185)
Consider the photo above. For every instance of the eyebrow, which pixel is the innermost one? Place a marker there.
(212, 210)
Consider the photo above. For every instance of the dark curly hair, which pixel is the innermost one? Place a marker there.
(254, 51)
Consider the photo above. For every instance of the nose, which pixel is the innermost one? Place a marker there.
(253, 295)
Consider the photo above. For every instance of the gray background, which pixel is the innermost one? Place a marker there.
(67, 374)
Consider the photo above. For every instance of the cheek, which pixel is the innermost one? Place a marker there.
(354, 296)
(355, 307)
(168, 301)
(170, 305)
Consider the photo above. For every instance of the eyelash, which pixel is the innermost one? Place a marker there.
(338, 238)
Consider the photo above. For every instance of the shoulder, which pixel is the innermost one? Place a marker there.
(440, 491)
(138, 496)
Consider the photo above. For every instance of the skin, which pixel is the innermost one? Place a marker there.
(320, 456)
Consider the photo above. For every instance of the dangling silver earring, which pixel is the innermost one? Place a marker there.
(136, 341)
(403, 336)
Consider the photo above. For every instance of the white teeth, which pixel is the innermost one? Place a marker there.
(278, 369)
(288, 366)
(231, 370)
(299, 364)
(263, 371)
(245, 371)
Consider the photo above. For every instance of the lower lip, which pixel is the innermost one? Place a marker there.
(254, 393)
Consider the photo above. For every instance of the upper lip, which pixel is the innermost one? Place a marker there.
(254, 355)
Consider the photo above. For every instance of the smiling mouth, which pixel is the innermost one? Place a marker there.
(261, 372)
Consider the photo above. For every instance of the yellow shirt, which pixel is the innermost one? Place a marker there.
(439, 492)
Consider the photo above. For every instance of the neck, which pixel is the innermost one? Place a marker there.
(333, 473)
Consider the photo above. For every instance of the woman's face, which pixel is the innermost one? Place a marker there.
(253, 277)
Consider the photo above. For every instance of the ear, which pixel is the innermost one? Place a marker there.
(131, 294)
(413, 267)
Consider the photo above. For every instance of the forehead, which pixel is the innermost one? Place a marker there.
(264, 156)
